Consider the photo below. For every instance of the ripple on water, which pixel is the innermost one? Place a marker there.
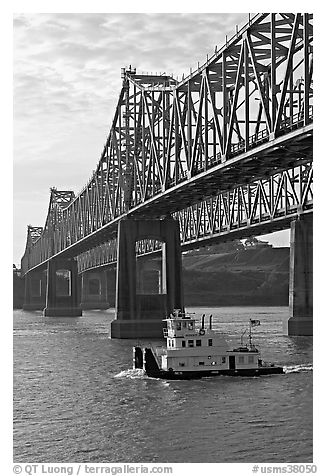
(131, 373)
(288, 369)
(77, 399)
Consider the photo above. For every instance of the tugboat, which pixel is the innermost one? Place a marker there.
(193, 354)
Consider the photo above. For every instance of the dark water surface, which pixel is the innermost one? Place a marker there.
(76, 398)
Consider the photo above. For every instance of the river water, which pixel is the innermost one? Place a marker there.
(77, 399)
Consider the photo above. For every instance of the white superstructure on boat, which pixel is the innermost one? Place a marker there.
(193, 353)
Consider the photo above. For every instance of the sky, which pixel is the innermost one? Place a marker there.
(66, 84)
(67, 79)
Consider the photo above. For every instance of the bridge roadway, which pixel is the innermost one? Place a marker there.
(277, 154)
(266, 206)
(241, 118)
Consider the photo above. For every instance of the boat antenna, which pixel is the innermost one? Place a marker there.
(250, 335)
(241, 338)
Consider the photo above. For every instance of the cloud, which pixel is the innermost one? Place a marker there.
(67, 82)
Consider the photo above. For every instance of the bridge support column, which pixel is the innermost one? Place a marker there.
(62, 297)
(94, 292)
(140, 315)
(35, 291)
(150, 275)
(111, 276)
(300, 321)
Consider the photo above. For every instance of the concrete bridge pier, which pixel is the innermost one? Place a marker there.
(139, 313)
(111, 277)
(94, 290)
(300, 321)
(35, 291)
(150, 275)
(62, 296)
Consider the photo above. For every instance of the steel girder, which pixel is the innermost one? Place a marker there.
(106, 253)
(243, 116)
(265, 205)
(44, 242)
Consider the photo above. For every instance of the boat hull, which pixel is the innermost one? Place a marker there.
(145, 359)
(192, 375)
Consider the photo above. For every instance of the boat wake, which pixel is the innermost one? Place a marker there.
(290, 369)
(132, 374)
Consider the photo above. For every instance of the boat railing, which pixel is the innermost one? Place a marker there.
(156, 354)
(178, 313)
(160, 350)
(267, 364)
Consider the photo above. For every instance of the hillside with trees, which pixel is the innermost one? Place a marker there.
(236, 273)
(229, 274)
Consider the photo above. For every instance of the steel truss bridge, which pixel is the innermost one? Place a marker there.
(226, 150)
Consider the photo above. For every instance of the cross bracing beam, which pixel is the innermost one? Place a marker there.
(261, 207)
(245, 114)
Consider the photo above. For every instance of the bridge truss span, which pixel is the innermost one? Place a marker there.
(261, 207)
(224, 149)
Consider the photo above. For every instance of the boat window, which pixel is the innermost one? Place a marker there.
(210, 342)
(201, 363)
(172, 343)
(223, 360)
(190, 326)
(213, 363)
(181, 364)
(250, 359)
(190, 343)
(241, 359)
(179, 326)
(184, 325)
(183, 343)
(198, 343)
